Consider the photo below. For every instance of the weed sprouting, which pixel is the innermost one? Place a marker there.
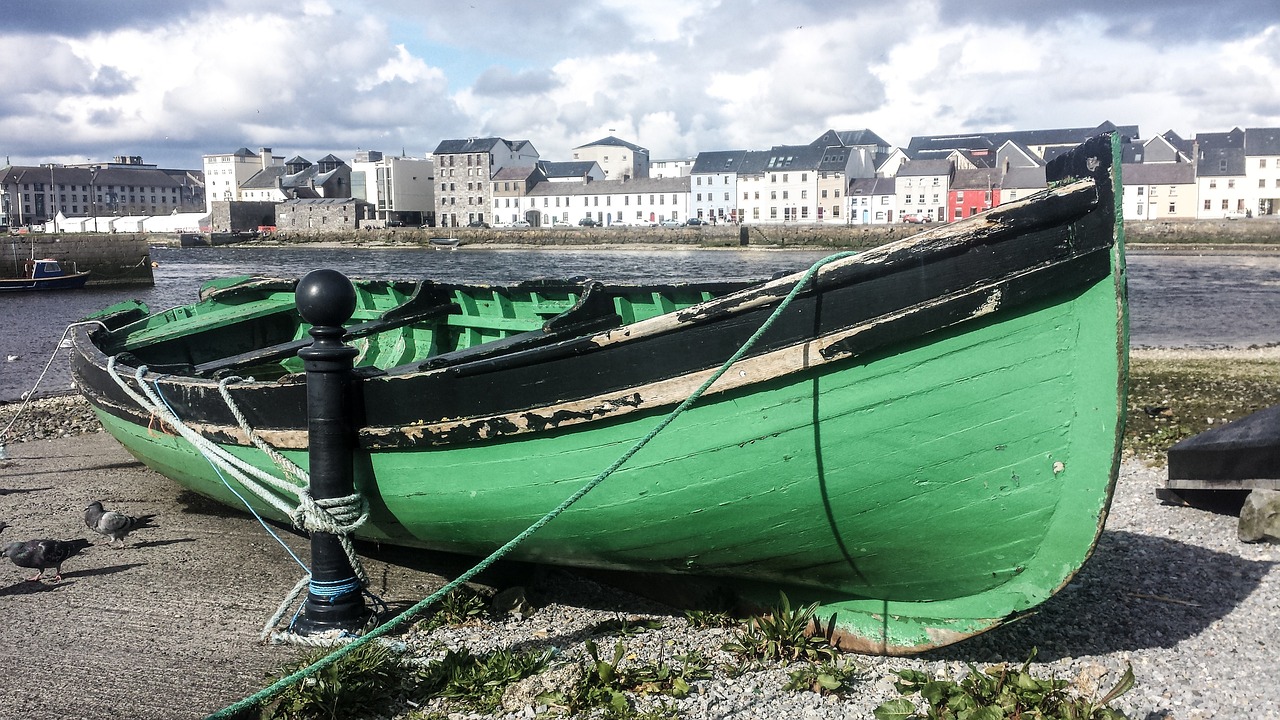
(784, 634)
(998, 692)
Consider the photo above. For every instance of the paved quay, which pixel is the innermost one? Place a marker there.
(165, 628)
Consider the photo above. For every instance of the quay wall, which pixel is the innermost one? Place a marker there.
(1247, 232)
(112, 259)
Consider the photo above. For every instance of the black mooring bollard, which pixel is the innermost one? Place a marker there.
(326, 299)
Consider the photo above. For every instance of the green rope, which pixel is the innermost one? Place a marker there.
(283, 683)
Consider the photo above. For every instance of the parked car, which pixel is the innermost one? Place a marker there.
(478, 224)
(588, 222)
(521, 224)
(916, 218)
(670, 223)
(557, 222)
(695, 221)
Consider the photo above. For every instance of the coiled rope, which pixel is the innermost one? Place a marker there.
(337, 516)
(303, 673)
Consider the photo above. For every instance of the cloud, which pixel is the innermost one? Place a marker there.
(499, 81)
(1151, 20)
(73, 18)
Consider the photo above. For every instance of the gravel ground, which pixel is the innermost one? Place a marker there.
(1170, 590)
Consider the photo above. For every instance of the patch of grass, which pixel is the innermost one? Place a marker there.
(1174, 398)
(365, 682)
(998, 692)
(478, 681)
(784, 634)
(460, 607)
(834, 677)
(602, 691)
(709, 619)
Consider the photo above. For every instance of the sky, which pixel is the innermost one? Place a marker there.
(172, 80)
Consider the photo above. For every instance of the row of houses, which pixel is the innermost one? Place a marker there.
(841, 177)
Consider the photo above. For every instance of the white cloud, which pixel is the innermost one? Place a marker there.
(676, 77)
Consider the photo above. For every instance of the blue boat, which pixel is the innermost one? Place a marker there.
(44, 274)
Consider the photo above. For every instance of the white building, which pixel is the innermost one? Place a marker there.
(400, 189)
(922, 187)
(224, 174)
(645, 201)
(671, 167)
(713, 185)
(617, 158)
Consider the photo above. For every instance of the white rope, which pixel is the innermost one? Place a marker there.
(337, 516)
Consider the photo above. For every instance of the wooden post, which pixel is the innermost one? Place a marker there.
(326, 300)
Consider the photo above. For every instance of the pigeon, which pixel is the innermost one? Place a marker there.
(3, 525)
(43, 554)
(113, 524)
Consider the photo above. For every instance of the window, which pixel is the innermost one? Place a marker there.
(1262, 162)
(726, 195)
(1231, 183)
(804, 194)
(824, 194)
(804, 177)
(785, 195)
(1213, 183)
(1173, 208)
(699, 197)
(1262, 183)
(1224, 204)
(1142, 189)
(1206, 205)
(773, 194)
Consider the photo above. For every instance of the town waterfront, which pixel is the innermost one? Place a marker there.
(1176, 300)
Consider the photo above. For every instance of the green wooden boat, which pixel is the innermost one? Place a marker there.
(925, 441)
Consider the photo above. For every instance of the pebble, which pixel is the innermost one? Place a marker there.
(1169, 590)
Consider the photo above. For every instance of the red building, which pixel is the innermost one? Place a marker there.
(971, 192)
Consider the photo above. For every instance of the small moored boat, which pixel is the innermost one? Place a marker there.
(923, 440)
(44, 274)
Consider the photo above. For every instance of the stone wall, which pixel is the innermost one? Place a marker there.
(1246, 231)
(241, 215)
(111, 259)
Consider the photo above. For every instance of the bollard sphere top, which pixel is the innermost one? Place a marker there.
(325, 297)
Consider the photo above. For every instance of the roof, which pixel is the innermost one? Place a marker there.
(470, 145)
(850, 138)
(570, 169)
(615, 142)
(718, 161)
(514, 172)
(1165, 173)
(1058, 136)
(977, 179)
(925, 167)
(614, 187)
(147, 177)
(1024, 178)
(1262, 141)
(874, 186)
(264, 179)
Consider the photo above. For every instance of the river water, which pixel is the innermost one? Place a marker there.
(1175, 300)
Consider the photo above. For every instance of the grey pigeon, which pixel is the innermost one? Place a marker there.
(114, 525)
(43, 554)
(3, 525)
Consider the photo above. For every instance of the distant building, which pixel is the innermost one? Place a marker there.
(646, 201)
(37, 194)
(714, 185)
(1159, 190)
(225, 173)
(872, 201)
(973, 191)
(299, 179)
(617, 158)
(671, 167)
(399, 190)
(463, 171)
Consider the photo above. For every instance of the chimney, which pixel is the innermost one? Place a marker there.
(265, 155)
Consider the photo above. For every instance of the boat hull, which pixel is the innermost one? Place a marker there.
(923, 450)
